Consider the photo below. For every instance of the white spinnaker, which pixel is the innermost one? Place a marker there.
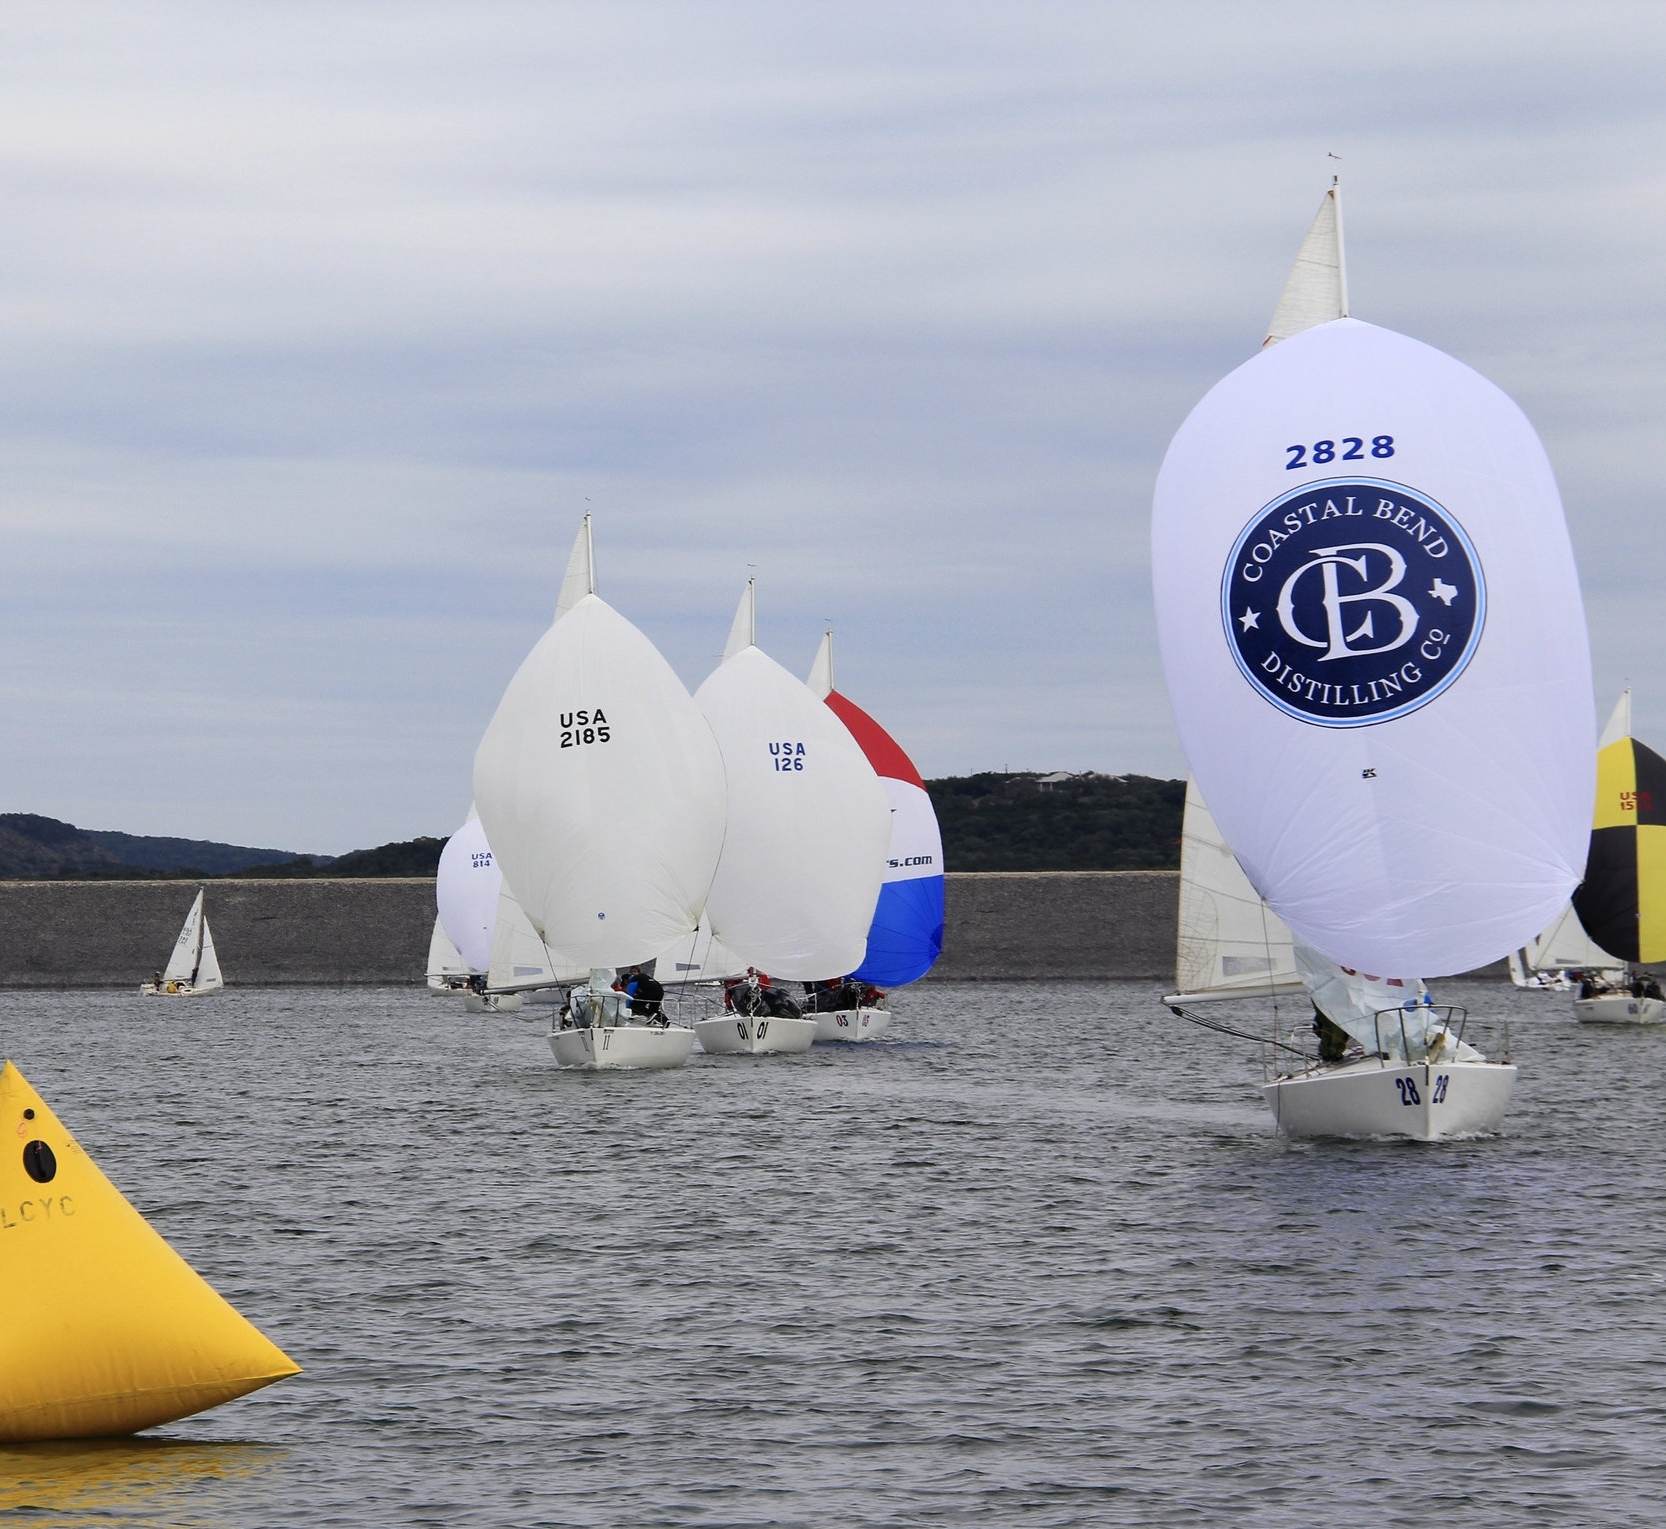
(1439, 840)
(809, 823)
(519, 961)
(444, 959)
(466, 890)
(601, 790)
(1230, 945)
(1565, 946)
(208, 963)
(188, 947)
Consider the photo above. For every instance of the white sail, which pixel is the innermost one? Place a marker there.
(519, 961)
(1352, 626)
(699, 957)
(1230, 943)
(444, 961)
(809, 822)
(466, 890)
(187, 949)
(208, 976)
(1316, 290)
(1619, 721)
(1565, 946)
(1384, 1014)
(600, 788)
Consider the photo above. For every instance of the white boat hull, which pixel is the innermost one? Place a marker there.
(492, 1003)
(622, 1046)
(1372, 1098)
(1619, 1009)
(176, 990)
(852, 1025)
(754, 1035)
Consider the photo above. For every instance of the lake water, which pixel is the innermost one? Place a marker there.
(1038, 1259)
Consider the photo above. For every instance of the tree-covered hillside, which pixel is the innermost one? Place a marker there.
(1060, 822)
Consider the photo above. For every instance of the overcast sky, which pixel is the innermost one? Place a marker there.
(323, 324)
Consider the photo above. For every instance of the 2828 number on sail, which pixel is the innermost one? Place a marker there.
(581, 727)
(1352, 450)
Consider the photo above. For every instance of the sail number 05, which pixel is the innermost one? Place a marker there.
(1326, 451)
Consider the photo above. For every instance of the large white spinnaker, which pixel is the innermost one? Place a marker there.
(809, 824)
(187, 951)
(600, 787)
(1230, 945)
(466, 891)
(1364, 582)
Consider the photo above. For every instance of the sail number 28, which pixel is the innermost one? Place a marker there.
(1325, 451)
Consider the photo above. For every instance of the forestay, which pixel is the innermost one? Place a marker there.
(1230, 945)
(1362, 577)
(808, 822)
(601, 789)
(906, 935)
(466, 890)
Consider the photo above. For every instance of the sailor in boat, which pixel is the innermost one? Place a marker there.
(1334, 1041)
(646, 995)
(756, 994)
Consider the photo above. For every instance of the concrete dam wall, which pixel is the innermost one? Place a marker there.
(324, 932)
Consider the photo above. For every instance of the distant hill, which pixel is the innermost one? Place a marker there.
(33, 846)
(991, 822)
(1059, 822)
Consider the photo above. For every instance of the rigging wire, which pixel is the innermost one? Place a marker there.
(1223, 1029)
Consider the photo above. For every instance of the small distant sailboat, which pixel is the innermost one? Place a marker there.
(906, 936)
(808, 826)
(1622, 900)
(193, 969)
(600, 788)
(448, 973)
(1360, 563)
(1562, 957)
(466, 889)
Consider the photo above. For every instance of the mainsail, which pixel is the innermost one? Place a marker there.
(1230, 944)
(600, 787)
(444, 961)
(906, 935)
(1361, 567)
(1622, 901)
(466, 891)
(808, 822)
(186, 959)
(519, 961)
(1316, 290)
(1565, 946)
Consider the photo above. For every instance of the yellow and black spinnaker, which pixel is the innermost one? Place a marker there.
(1622, 901)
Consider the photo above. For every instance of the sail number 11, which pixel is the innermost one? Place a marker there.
(1325, 451)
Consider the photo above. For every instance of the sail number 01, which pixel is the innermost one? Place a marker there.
(1325, 451)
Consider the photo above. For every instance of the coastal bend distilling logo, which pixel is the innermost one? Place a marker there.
(1353, 601)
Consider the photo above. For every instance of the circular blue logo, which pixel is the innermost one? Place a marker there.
(1353, 601)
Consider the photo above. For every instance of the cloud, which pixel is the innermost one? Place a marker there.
(323, 324)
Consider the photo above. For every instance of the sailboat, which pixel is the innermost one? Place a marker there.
(466, 889)
(1562, 957)
(1622, 900)
(193, 969)
(601, 790)
(1360, 564)
(906, 935)
(448, 973)
(808, 829)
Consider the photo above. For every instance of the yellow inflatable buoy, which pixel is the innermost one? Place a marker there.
(107, 1330)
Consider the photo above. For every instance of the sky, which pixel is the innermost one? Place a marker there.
(324, 324)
